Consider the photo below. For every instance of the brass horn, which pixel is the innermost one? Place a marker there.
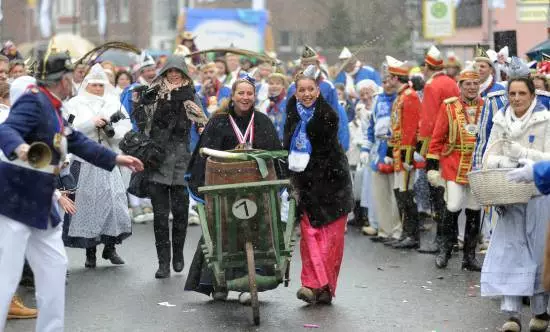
(39, 155)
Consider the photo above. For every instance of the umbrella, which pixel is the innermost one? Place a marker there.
(536, 52)
(76, 45)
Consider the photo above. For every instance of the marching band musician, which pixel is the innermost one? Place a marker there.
(29, 226)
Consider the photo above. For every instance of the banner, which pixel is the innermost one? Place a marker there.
(242, 28)
(438, 18)
(46, 18)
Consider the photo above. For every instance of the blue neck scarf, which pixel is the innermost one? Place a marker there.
(300, 146)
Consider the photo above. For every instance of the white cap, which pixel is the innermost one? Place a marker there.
(505, 53)
(492, 55)
(433, 57)
(19, 86)
(96, 75)
(345, 54)
(146, 60)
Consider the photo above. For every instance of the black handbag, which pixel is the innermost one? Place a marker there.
(139, 184)
(139, 145)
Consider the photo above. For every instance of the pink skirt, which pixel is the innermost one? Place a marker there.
(322, 250)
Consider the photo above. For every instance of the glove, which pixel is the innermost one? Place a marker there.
(514, 150)
(388, 161)
(418, 157)
(524, 174)
(407, 167)
(434, 178)
(364, 157)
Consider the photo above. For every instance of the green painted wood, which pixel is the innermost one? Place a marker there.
(244, 187)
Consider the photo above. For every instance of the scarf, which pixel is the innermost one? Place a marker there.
(274, 102)
(300, 146)
(485, 86)
(515, 126)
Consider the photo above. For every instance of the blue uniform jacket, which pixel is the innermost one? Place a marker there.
(364, 73)
(541, 172)
(331, 97)
(494, 99)
(279, 119)
(543, 97)
(26, 194)
(126, 101)
(380, 113)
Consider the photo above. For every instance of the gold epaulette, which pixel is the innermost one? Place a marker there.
(408, 91)
(450, 100)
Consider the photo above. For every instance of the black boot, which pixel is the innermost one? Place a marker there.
(163, 253)
(177, 258)
(471, 235)
(446, 246)
(110, 254)
(90, 258)
(410, 221)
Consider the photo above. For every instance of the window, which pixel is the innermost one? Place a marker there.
(124, 10)
(284, 38)
(469, 13)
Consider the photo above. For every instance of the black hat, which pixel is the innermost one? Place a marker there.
(53, 65)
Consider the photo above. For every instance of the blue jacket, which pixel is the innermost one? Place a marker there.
(381, 114)
(494, 99)
(544, 98)
(541, 172)
(26, 194)
(279, 119)
(331, 97)
(126, 101)
(364, 73)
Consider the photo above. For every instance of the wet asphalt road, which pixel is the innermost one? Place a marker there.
(380, 289)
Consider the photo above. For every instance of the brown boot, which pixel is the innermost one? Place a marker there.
(19, 311)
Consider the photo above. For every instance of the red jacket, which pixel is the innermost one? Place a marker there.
(438, 88)
(452, 144)
(405, 115)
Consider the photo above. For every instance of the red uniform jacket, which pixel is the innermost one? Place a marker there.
(405, 115)
(438, 88)
(452, 143)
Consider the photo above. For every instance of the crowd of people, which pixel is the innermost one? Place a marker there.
(386, 150)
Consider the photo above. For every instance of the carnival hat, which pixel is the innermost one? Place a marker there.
(482, 56)
(97, 75)
(518, 68)
(345, 54)
(188, 35)
(309, 53)
(433, 57)
(468, 73)
(396, 67)
(452, 60)
(53, 65)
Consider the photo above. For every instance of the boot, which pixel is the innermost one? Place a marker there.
(90, 258)
(410, 221)
(163, 253)
(110, 254)
(471, 234)
(177, 258)
(446, 246)
(18, 310)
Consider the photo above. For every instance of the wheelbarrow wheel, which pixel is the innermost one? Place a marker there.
(255, 304)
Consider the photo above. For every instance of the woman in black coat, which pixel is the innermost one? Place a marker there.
(320, 176)
(166, 112)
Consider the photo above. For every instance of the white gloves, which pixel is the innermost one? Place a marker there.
(364, 157)
(434, 178)
(418, 157)
(407, 167)
(524, 174)
(514, 150)
(388, 161)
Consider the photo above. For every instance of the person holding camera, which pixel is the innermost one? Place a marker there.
(165, 113)
(102, 207)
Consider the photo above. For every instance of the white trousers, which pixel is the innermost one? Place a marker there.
(46, 255)
(459, 196)
(401, 183)
(385, 206)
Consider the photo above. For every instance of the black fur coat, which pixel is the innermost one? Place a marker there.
(324, 187)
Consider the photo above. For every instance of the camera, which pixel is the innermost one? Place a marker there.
(147, 95)
(108, 128)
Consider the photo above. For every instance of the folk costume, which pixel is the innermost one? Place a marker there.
(320, 175)
(451, 150)
(28, 224)
(514, 262)
(404, 117)
(102, 207)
